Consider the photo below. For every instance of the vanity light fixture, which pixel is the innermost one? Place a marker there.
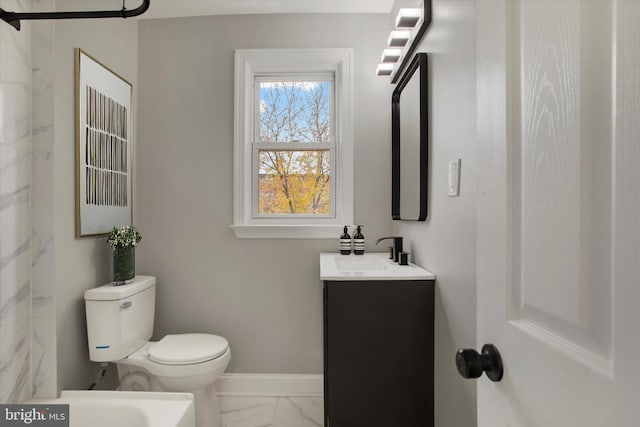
(408, 18)
(398, 38)
(384, 69)
(391, 55)
(411, 24)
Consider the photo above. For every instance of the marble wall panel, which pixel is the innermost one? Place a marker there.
(15, 208)
(15, 75)
(15, 179)
(15, 281)
(43, 343)
(14, 362)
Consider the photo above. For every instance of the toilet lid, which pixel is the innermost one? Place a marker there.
(185, 349)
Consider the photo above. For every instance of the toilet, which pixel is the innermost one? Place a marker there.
(119, 326)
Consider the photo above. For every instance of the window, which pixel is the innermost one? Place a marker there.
(293, 143)
(294, 146)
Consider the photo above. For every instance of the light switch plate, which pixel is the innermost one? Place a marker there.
(454, 177)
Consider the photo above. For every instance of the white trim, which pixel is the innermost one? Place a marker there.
(287, 231)
(272, 385)
(252, 62)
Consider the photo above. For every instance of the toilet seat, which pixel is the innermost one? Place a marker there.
(186, 349)
(141, 359)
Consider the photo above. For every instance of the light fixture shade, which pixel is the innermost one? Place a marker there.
(391, 55)
(408, 18)
(398, 38)
(384, 69)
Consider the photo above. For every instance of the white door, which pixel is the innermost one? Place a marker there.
(559, 211)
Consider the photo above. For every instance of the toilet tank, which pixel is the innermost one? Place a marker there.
(119, 318)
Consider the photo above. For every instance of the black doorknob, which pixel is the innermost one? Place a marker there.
(470, 364)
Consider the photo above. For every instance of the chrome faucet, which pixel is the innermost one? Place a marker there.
(397, 246)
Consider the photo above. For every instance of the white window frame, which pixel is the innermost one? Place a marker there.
(252, 64)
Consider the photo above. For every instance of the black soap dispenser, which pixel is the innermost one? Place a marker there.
(345, 242)
(358, 241)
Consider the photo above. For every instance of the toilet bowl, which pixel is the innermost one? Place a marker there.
(119, 325)
(180, 363)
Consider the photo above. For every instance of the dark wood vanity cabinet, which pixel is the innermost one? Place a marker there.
(378, 353)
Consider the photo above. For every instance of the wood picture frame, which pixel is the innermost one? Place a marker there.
(104, 148)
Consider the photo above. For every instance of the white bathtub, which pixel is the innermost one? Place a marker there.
(127, 408)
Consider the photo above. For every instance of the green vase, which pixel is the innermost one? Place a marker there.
(124, 265)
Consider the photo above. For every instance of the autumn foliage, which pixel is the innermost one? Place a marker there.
(292, 178)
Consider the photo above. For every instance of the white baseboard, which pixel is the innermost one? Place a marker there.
(270, 385)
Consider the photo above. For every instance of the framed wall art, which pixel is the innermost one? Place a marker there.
(103, 148)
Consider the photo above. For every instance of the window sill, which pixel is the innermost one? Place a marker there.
(287, 231)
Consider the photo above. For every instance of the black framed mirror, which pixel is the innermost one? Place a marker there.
(410, 143)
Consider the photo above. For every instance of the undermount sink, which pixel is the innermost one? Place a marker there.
(370, 266)
(361, 263)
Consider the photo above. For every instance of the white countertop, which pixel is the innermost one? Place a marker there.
(370, 266)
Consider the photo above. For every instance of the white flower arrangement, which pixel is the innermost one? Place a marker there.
(124, 237)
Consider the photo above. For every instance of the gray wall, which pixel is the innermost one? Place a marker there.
(264, 296)
(83, 263)
(446, 243)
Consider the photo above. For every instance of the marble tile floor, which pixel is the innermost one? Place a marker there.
(240, 411)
